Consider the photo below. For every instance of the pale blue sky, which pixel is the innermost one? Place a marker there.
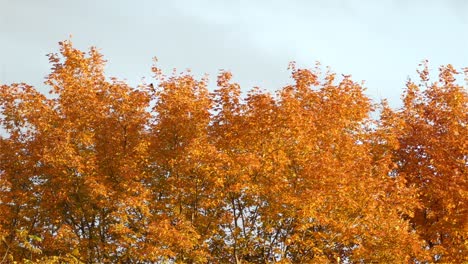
(380, 42)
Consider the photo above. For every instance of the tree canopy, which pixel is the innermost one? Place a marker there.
(173, 172)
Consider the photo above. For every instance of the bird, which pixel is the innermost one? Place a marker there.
(151, 86)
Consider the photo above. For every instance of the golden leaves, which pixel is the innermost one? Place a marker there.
(105, 172)
(433, 159)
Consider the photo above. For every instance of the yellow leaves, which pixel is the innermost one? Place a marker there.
(75, 252)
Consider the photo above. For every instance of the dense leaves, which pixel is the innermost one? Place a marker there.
(169, 172)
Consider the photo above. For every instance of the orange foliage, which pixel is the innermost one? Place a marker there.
(101, 172)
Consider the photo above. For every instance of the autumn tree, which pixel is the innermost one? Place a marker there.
(80, 179)
(184, 165)
(319, 198)
(433, 157)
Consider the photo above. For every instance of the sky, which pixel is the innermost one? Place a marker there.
(381, 42)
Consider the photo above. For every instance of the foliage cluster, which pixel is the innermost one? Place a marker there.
(102, 172)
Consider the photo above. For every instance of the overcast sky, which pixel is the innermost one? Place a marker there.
(381, 42)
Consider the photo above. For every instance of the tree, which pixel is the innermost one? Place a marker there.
(433, 157)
